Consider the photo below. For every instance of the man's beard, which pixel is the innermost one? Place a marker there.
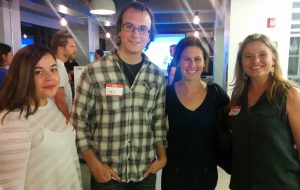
(71, 56)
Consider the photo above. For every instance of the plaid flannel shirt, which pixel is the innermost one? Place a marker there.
(123, 131)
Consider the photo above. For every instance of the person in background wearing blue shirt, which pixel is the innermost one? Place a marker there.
(172, 66)
(98, 54)
(6, 56)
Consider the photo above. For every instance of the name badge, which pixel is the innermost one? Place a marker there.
(114, 90)
(234, 110)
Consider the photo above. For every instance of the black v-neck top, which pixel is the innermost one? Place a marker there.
(192, 135)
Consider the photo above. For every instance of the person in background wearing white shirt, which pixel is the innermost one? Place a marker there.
(65, 49)
(37, 144)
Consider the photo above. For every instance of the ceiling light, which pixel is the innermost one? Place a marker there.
(63, 22)
(102, 7)
(107, 23)
(63, 9)
(196, 19)
(107, 35)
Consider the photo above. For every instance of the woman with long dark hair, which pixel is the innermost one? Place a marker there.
(37, 143)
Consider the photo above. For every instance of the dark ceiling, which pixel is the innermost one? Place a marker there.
(171, 16)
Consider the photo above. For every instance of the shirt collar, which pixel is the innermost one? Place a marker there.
(116, 58)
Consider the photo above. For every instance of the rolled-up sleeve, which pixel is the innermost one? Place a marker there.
(159, 116)
(83, 106)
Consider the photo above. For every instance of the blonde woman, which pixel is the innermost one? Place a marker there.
(265, 120)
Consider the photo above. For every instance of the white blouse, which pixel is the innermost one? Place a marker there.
(38, 153)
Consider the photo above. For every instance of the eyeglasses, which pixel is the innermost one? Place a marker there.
(142, 30)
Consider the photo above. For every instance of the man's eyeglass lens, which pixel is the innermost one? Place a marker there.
(143, 30)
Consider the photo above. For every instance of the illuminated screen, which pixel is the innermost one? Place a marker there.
(159, 52)
(92, 57)
(27, 41)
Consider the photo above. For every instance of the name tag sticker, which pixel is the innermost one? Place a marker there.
(234, 110)
(114, 90)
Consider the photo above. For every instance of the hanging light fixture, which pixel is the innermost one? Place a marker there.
(196, 34)
(107, 35)
(63, 21)
(196, 19)
(107, 23)
(102, 7)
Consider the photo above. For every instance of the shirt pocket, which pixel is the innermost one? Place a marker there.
(145, 95)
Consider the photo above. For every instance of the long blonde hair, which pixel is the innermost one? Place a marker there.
(279, 86)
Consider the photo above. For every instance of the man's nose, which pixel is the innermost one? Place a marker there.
(135, 31)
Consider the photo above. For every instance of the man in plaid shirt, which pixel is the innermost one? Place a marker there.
(119, 109)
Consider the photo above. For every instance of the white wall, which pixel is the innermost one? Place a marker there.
(218, 56)
(247, 17)
(10, 25)
(93, 30)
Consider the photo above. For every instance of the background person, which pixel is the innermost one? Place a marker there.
(98, 54)
(6, 56)
(264, 119)
(172, 66)
(123, 103)
(65, 49)
(69, 65)
(192, 108)
(37, 144)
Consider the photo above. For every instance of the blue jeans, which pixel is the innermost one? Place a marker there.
(196, 179)
(146, 184)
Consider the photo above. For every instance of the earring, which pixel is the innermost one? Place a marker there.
(272, 71)
(245, 76)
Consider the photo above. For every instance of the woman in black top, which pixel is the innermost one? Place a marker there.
(192, 110)
(264, 118)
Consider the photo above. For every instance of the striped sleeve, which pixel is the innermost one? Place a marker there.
(15, 144)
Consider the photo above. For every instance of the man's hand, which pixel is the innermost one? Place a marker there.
(159, 163)
(103, 173)
(155, 167)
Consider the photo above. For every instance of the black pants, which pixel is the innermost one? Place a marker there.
(146, 184)
(179, 179)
